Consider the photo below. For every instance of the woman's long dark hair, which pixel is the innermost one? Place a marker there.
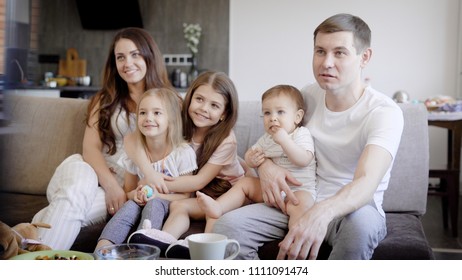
(115, 90)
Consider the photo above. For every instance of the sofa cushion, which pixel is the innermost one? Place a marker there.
(52, 128)
(408, 187)
(405, 239)
(18, 208)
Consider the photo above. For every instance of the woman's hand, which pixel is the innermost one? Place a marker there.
(115, 198)
(274, 180)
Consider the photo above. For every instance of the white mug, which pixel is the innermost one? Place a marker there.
(211, 246)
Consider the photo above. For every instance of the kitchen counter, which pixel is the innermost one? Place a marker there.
(66, 91)
(84, 92)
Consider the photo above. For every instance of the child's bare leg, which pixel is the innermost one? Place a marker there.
(247, 187)
(306, 201)
(210, 222)
(210, 206)
(178, 220)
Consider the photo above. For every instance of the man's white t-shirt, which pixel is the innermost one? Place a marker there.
(340, 137)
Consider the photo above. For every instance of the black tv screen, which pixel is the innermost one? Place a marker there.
(109, 14)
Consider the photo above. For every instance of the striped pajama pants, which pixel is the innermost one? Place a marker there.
(75, 200)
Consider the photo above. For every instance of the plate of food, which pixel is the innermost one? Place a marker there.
(54, 255)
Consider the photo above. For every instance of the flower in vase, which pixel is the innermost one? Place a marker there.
(192, 35)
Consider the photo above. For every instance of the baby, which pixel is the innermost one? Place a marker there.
(287, 143)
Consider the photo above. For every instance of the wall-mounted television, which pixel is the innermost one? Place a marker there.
(109, 14)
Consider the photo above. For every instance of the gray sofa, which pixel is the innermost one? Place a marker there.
(47, 130)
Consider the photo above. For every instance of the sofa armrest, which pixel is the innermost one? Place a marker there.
(47, 131)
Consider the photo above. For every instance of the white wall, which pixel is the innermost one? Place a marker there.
(415, 43)
(415, 47)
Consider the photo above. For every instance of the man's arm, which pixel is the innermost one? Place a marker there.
(306, 235)
(92, 153)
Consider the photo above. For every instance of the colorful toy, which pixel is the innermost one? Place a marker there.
(148, 191)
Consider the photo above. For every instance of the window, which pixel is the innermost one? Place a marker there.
(2, 35)
(19, 24)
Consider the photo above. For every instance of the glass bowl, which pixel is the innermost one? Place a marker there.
(127, 251)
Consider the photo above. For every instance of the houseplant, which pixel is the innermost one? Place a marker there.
(192, 35)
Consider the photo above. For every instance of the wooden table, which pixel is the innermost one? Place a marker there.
(448, 188)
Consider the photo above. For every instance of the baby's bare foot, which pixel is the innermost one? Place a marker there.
(210, 206)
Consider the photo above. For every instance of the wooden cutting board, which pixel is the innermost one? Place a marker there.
(72, 66)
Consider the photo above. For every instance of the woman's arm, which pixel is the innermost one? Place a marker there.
(93, 155)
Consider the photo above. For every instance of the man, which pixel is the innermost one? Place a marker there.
(356, 132)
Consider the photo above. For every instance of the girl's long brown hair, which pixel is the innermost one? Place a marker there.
(223, 85)
(114, 91)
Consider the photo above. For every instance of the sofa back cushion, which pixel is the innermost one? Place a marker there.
(51, 129)
(46, 131)
(249, 126)
(408, 187)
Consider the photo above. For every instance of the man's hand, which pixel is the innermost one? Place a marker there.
(305, 235)
(274, 180)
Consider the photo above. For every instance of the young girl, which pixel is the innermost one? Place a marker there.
(209, 114)
(160, 130)
(287, 143)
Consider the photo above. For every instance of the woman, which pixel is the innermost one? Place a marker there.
(85, 188)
